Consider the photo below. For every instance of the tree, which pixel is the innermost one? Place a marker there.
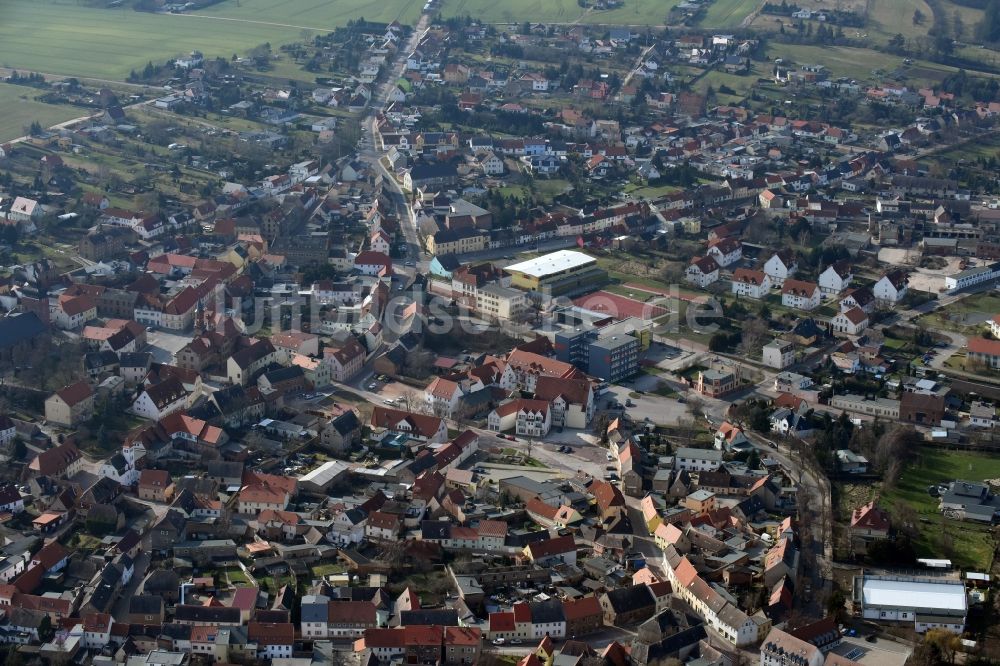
(46, 632)
(957, 25)
(946, 643)
(988, 29)
(835, 604)
(918, 17)
(752, 335)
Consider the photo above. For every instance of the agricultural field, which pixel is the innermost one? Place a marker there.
(639, 13)
(973, 544)
(63, 38)
(18, 108)
(323, 15)
(727, 13)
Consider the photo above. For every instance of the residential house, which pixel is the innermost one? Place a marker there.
(702, 271)
(781, 266)
(836, 278)
(891, 287)
(800, 295)
(70, 405)
(750, 283)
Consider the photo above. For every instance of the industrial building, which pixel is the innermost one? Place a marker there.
(927, 603)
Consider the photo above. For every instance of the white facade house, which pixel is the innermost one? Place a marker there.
(697, 460)
(702, 272)
(851, 322)
(835, 278)
(800, 295)
(891, 288)
(751, 284)
(726, 252)
(778, 354)
(158, 400)
(780, 267)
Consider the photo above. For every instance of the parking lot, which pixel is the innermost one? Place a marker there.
(164, 345)
(394, 393)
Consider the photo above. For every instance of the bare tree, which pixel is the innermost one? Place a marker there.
(409, 401)
(753, 332)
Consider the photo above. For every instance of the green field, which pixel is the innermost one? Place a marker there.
(860, 63)
(638, 13)
(889, 17)
(727, 13)
(62, 37)
(324, 15)
(18, 109)
(973, 543)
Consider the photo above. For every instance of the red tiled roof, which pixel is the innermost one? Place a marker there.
(75, 393)
(577, 609)
(502, 621)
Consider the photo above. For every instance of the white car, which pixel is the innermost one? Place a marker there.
(498, 641)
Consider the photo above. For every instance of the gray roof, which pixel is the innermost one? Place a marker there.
(700, 454)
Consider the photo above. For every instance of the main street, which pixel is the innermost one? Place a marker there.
(368, 152)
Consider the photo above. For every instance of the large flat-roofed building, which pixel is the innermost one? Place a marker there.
(559, 273)
(927, 603)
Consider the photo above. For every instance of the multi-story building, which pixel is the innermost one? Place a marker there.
(778, 354)
(750, 283)
(800, 295)
(614, 359)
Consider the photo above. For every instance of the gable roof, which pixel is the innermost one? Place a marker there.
(75, 393)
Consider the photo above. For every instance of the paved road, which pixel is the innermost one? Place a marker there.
(120, 608)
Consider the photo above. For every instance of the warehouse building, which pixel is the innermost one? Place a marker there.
(927, 603)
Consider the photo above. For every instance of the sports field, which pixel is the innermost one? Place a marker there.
(18, 109)
(62, 37)
(619, 306)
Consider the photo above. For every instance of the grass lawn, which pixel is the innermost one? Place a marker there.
(648, 192)
(545, 189)
(967, 315)
(973, 543)
(234, 575)
(328, 569)
(63, 37)
(633, 12)
(18, 108)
